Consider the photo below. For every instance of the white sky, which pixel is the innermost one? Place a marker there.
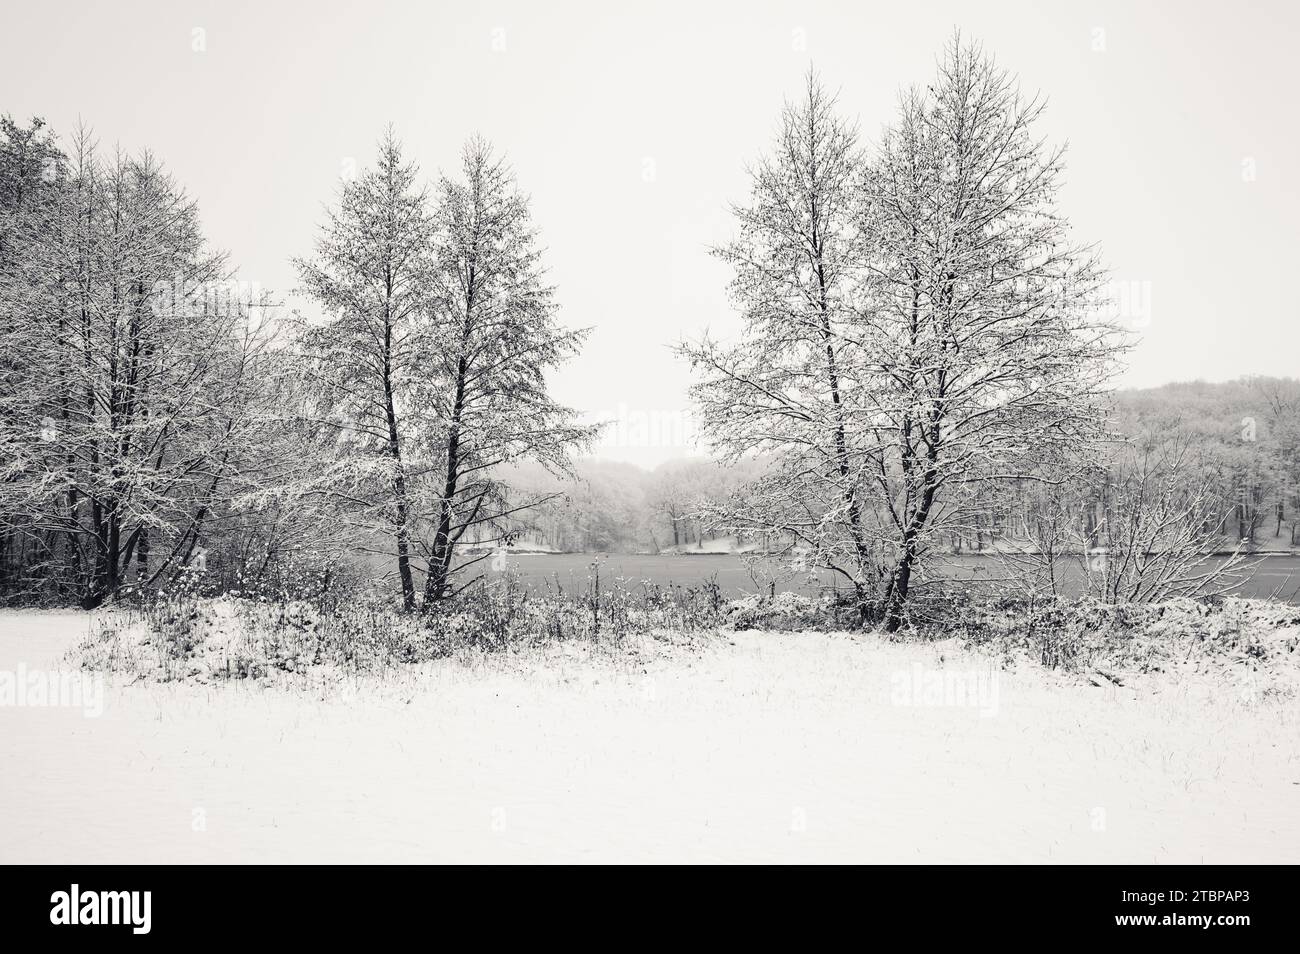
(588, 100)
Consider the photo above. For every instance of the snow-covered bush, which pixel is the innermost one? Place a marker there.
(185, 635)
(1245, 641)
(785, 611)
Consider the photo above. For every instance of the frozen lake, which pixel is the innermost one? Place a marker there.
(1278, 574)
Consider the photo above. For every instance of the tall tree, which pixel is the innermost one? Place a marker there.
(372, 276)
(32, 169)
(981, 351)
(788, 390)
(917, 327)
(497, 340)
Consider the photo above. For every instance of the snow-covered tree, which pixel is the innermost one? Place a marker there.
(917, 326)
(430, 365)
(977, 317)
(788, 389)
(370, 359)
(121, 407)
(31, 168)
(496, 342)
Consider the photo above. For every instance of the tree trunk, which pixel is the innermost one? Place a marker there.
(436, 582)
(401, 515)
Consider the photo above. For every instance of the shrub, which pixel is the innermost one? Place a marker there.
(183, 634)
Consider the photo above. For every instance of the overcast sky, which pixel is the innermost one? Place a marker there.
(630, 125)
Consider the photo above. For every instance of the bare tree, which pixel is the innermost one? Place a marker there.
(1050, 543)
(1161, 522)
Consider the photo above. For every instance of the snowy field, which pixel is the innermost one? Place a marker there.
(767, 747)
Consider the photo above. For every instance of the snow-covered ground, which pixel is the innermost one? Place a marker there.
(768, 747)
